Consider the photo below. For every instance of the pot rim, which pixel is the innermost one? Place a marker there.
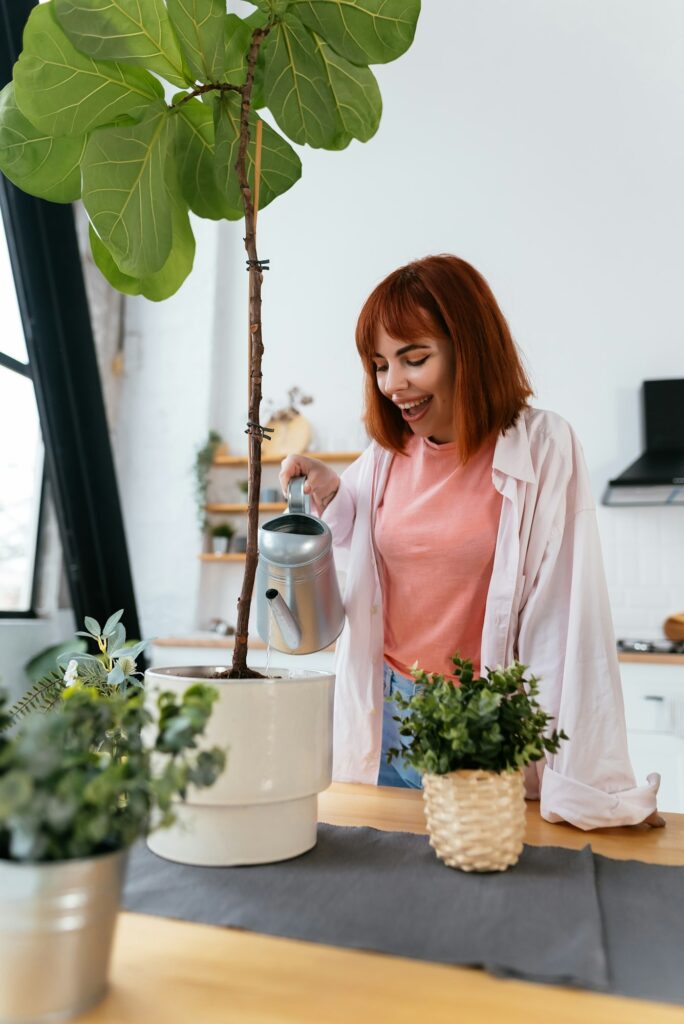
(203, 674)
(6, 862)
(505, 772)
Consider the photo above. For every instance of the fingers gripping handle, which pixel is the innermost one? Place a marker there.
(297, 500)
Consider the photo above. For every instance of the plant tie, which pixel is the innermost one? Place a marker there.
(256, 430)
(260, 265)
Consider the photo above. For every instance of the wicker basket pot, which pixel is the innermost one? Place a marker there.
(476, 818)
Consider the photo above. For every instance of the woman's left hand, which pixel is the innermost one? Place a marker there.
(654, 820)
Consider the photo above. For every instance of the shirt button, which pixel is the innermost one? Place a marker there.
(374, 609)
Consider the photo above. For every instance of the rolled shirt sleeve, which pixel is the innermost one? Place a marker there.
(565, 635)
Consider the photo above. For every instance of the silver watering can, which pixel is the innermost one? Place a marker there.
(299, 607)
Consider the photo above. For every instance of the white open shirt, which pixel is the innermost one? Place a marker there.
(547, 606)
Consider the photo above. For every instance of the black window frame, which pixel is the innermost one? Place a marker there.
(24, 370)
(79, 464)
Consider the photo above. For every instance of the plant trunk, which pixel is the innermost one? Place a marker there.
(239, 668)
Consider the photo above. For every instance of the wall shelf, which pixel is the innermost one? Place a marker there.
(266, 459)
(231, 506)
(230, 556)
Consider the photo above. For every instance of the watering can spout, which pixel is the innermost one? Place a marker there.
(285, 620)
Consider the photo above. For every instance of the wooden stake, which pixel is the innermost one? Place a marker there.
(257, 182)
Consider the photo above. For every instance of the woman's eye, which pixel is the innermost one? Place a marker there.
(417, 362)
(380, 369)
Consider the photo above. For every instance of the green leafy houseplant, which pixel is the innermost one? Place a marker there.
(493, 723)
(82, 780)
(223, 530)
(114, 668)
(86, 116)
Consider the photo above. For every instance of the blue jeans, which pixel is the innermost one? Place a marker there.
(398, 773)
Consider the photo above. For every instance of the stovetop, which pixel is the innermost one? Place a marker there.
(651, 646)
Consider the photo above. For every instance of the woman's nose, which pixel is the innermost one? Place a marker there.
(395, 380)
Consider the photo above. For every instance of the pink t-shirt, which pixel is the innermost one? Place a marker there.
(435, 535)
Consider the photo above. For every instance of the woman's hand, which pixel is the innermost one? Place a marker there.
(654, 820)
(321, 481)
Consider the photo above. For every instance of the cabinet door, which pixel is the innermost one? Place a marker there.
(663, 753)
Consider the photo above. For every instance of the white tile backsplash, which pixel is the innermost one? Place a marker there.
(643, 550)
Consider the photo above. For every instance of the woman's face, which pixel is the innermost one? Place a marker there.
(418, 377)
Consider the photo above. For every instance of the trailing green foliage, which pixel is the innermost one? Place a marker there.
(204, 458)
(113, 669)
(493, 723)
(87, 116)
(42, 696)
(86, 779)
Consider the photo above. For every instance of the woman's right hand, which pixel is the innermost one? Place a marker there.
(321, 481)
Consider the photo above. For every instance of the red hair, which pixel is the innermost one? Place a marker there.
(443, 296)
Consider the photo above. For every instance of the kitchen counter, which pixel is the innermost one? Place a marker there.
(180, 973)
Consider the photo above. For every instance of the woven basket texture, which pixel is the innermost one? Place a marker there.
(476, 818)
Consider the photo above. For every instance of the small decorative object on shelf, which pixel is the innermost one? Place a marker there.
(240, 544)
(471, 741)
(270, 495)
(290, 431)
(221, 627)
(80, 781)
(221, 535)
(243, 488)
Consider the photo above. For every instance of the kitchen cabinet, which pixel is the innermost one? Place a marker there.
(654, 712)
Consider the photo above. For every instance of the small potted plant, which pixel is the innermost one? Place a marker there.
(220, 537)
(471, 741)
(79, 783)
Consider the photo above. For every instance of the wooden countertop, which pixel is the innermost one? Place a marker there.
(214, 640)
(180, 973)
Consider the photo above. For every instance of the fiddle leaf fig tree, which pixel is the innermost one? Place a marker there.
(148, 109)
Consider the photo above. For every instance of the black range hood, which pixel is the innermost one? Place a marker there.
(657, 476)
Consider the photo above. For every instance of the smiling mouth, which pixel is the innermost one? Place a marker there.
(412, 412)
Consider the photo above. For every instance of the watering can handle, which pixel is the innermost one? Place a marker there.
(297, 500)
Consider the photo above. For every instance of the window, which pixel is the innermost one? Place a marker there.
(21, 454)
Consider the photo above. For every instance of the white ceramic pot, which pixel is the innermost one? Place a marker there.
(264, 807)
(56, 926)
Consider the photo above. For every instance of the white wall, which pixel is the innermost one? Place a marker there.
(537, 140)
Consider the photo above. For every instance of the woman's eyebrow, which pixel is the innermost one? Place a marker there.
(404, 349)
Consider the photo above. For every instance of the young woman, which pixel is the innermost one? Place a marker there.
(468, 525)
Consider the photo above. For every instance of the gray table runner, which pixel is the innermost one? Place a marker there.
(642, 909)
(388, 892)
(562, 916)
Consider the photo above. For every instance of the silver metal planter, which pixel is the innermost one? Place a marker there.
(56, 928)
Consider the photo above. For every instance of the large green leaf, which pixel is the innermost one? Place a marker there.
(296, 89)
(276, 7)
(280, 165)
(237, 36)
(131, 31)
(125, 190)
(196, 163)
(363, 31)
(355, 91)
(38, 163)
(63, 92)
(199, 25)
(166, 281)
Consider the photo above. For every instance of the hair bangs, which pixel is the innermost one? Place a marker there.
(402, 306)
